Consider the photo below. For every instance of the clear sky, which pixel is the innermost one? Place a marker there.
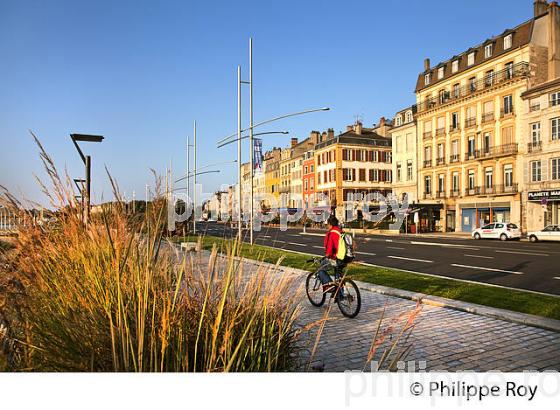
(140, 72)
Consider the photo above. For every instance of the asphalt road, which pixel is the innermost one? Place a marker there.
(520, 265)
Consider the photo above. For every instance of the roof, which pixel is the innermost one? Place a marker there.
(521, 37)
(366, 138)
(539, 89)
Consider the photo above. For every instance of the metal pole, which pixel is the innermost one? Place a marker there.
(251, 159)
(239, 233)
(133, 202)
(194, 177)
(188, 168)
(88, 188)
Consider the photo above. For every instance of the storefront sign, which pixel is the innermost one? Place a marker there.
(539, 196)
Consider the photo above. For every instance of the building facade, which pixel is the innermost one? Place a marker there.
(470, 119)
(405, 155)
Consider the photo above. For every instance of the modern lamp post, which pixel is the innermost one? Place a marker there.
(87, 162)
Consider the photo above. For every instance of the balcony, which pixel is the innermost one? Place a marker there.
(534, 147)
(472, 191)
(440, 194)
(487, 117)
(519, 70)
(455, 194)
(506, 189)
(454, 158)
(488, 190)
(427, 135)
(507, 113)
(440, 161)
(428, 163)
(427, 195)
(470, 122)
(535, 107)
(454, 128)
(497, 151)
(470, 156)
(440, 132)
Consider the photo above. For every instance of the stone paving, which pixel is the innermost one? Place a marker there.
(443, 338)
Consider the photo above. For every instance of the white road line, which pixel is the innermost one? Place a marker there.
(557, 278)
(265, 236)
(395, 247)
(446, 245)
(410, 259)
(487, 269)
(479, 256)
(293, 236)
(524, 253)
(367, 253)
(318, 247)
(313, 234)
(388, 240)
(296, 244)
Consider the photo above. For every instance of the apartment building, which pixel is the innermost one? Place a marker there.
(308, 176)
(356, 161)
(405, 155)
(272, 172)
(471, 125)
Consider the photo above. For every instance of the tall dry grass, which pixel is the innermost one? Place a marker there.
(114, 295)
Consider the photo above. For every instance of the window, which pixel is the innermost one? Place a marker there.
(409, 142)
(472, 84)
(471, 146)
(305, 184)
(427, 153)
(555, 129)
(471, 180)
(312, 168)
(555, 99)
(362, 175)
(536, 171)
(428, 184)
(399, 172)
(455, 66)
(456, 90)
(455, 120)
(507, 41)
(398, 121)
(305, 170)
(374, 175)
(347, 174)
(409, 175)
(508, 104)
(440, 73)
(427, 78)
(507, 135)
(486, 142)
(508, 176)
(441, 183)
(488, 50)
(398, 144)
(535, 133)
(455, 149)
(555, 167)
(408, 117)
(489, 179)
(509, 70)
(455, 182)
(441, 151)
(470, 59)
(489, 78)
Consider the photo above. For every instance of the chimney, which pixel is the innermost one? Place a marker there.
(330, 133)
(323, 137)
(349, 128)
(314, 136)
(358, 128)
(294, 142)
(426, 64)
(553, 41)
(382, 122)
(540, 7)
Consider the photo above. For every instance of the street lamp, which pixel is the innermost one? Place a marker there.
(223, 144)
(87, 162)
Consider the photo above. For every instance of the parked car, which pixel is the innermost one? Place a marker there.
(550, 233)
(498, 230)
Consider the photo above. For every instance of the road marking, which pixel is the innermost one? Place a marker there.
(265, 236)
(312, 234)
(388, 240)
(447, 245)
(296, 244)
(395, 247)
(318, 247)
(524, 253)
(410, 259)
(293, 236)
(479, 256)
(487, 269)
(557, 278)
(367, 253)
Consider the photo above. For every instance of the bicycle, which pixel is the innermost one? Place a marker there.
(345, 291)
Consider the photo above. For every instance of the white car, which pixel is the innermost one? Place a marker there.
(550, 233)
(498, 230)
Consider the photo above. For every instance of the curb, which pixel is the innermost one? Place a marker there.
(494, 313)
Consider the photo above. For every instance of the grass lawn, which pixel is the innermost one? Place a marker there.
(514, 300)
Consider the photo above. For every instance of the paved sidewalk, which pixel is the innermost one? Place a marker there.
(445, 339)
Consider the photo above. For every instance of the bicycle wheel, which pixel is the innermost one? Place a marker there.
(314, 290)
(349, 300)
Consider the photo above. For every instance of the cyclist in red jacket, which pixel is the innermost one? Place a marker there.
(332, 238)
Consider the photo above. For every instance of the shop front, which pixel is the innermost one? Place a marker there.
(425, 218)
(549, 204)
(476, 215)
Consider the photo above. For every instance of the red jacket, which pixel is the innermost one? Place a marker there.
(331, 242)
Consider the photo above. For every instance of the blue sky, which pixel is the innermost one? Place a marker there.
(140, 72)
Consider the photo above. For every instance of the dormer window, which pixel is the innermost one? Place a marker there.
(470, 59)
(508, 41)
(398, 121)
(440, 73)
(488, 50)
(455, 66)
(427, 78)
(408, 117)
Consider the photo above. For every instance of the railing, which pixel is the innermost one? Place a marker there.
(440, 194)
(454, 128)
(427, 135)
(455, 194)
(472, 191)
(497, 151)
(428, 163)
(487, 117)
(534, 147)
(454, 158)
(488, 190)
(535, 107)
(470, 122)
(519, 70)
(440, 131)
(470, 156)
(507, 113)
(440, 161)
(427, 195)
(507, 189)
